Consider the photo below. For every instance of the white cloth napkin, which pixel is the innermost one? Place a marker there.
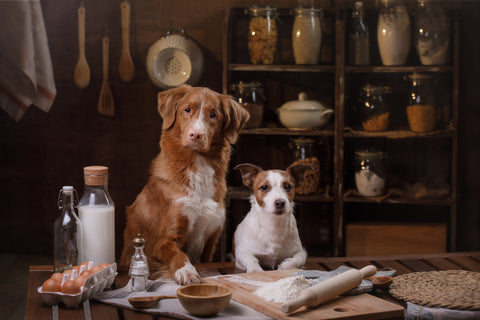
(172, 307)
(26, 72)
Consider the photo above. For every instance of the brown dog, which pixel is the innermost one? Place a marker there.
(180, 212)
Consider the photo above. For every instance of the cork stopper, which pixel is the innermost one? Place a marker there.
(95, 175)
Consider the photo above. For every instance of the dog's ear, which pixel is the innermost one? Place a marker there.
(298, 171)
(235, 118)
(168, 104)
(249, 173)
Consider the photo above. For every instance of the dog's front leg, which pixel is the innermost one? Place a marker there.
(297, 261)
(247, 261)
(181, 268)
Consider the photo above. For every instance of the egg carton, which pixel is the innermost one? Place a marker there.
(94, 284)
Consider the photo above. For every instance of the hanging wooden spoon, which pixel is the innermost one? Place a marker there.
(126, 67)
(105, 102)
(147, 302)
(81, 74)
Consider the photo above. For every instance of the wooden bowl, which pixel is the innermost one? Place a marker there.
(204, 299)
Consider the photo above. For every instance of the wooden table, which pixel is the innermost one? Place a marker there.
(36, 310)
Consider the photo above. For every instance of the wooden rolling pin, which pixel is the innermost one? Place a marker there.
(329, 289)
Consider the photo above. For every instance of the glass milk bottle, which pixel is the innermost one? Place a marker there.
(359, 37)
(393, 33)
(97, 214)
(67, 231)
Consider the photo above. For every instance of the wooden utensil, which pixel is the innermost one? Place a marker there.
(126, 67)
(105, 102)
(147, 302)
(329, 289)
(81, 74)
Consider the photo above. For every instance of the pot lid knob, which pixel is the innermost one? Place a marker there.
(302, 96)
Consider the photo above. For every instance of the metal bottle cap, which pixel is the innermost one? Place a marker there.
(138, 241)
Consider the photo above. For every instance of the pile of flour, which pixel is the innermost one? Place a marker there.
(284, 289)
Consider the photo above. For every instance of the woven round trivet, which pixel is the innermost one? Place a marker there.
(452, 289)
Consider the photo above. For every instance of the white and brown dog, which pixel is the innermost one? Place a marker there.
(268, 235)
(180, 212)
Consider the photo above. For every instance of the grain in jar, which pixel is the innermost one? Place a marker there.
(421, 109)
(374, 108)
(305, 153)
(307, 35)
(262, 34)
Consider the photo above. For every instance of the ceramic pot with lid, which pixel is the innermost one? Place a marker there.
(303, 114)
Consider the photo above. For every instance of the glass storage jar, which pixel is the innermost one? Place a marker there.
(305, 153)
(432, 32)
(421, 108)
(307, 35)
(393, 33)
(374, 109)
(359, 37)
(251, 96)
(370, 173)
(262, 34)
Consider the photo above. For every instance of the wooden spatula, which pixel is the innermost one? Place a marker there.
(126, 67)
(81, 74)
(105, 102)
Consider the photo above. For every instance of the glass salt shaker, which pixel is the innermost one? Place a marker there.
(306, 153)
(370, 173)
(262, 34)
(138, 266)
(251, 96)
(67, 230)
(307, 35)
(432, 32)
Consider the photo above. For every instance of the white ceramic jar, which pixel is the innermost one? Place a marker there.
(394, 33)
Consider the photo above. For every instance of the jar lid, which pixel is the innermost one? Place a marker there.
(258, 10)
(419, 76)
(370, 154)
(241, 85)
(95, 175)
(303, 142)
(369, 89)
(138, 241)
(307, 10)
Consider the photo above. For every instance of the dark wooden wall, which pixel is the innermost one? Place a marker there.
(43, 152)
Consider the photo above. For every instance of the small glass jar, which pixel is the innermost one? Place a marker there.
(370, 173)
(432, 32)
(307, 35)
(393, 33)
(305, 153)
(262, 34)
(421, 108)
(374, 109)
(251, 96)
(359, 37)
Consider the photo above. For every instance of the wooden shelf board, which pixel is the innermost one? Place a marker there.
(280, 68)
(424, 201)
(277, 131)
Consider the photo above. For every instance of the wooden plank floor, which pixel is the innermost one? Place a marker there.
(14, 283)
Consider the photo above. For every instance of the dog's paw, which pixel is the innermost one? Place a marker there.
(289, 264)
(254, 268)
(187, 275)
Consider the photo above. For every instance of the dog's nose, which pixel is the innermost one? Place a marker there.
(194, 135)
(279, 204)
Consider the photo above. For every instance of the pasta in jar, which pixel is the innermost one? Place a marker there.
(262, 35)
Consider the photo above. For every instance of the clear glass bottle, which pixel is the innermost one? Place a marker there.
(305, 152)
(262, 34)
(374, 108)
(97, 214)
(370, 173)
(67, 231)
(422, 106)
(432, 32)
(251, 96)
(139, 271)
(394, 33)
(359, 37)
(307, 35)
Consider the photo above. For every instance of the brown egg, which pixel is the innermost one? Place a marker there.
(76, 268)
(80, 280)
(84, 264)
(57, 276)
(69, 272)
(86, 274)
(95, 269)
(71, 287)
(51, 285)
(104, 265)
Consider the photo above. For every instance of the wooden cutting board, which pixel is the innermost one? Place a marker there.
(364, 306)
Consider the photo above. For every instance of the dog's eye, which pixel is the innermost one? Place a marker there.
(287, 187)
(264, 188)
(213, 114)
(187, 110)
